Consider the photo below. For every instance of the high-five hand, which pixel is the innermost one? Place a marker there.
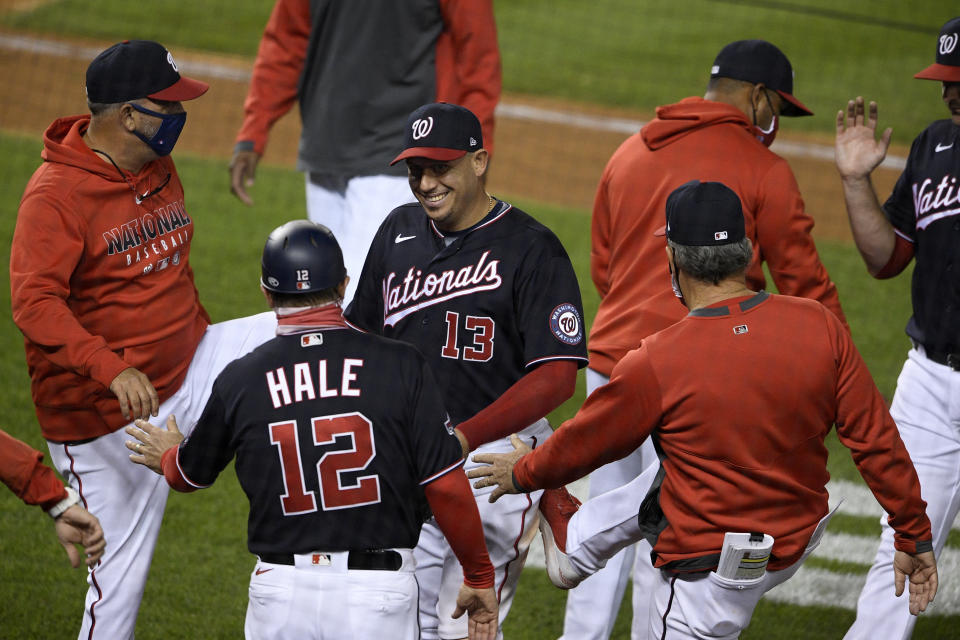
(857, 148)
(498, 471)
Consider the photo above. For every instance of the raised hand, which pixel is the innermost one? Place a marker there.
(858, 151)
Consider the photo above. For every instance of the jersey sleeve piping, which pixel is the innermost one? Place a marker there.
(353, 326)
(903, 235)
(459, 463)
(547, 358)
(184, 475)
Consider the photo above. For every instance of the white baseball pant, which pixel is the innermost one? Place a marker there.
(593, 605)
(509, 526)
(331, 602)
(926, 407)
(129, 499)
(706, 606)
(355, 215)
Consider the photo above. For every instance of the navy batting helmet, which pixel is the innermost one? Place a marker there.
(301, 257)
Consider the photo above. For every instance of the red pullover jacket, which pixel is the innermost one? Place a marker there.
(357, 69)
(100, 282)
(703, 140)
(22, 471)
(738, 398)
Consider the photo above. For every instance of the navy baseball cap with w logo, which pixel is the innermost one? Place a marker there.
(947, 65)
(757, 61)
(135, 69)
(441, 131)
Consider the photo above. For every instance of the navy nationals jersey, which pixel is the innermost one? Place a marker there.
(335, 433)
(499, 299)
(924, 208)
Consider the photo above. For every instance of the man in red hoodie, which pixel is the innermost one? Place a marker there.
(356, 70)
(102, 289)
(721, 137)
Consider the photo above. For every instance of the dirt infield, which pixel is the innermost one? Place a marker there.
(552, 162)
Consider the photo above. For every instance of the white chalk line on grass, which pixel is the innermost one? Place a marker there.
(505, 110)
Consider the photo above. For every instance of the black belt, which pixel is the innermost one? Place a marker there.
(373, 560)
(951, 360)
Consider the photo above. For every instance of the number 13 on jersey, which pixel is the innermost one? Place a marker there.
(481, 328)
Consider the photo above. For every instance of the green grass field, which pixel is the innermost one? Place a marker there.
(617, 53)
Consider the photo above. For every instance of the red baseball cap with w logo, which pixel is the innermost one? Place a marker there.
(135, 69)
(441, 131)
(947, 66)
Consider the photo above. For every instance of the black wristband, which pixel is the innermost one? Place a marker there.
(519, 487)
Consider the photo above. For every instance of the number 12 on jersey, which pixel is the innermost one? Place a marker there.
(352, 429)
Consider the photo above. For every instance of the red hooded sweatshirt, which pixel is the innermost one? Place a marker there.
(695, 139)
(100, 281)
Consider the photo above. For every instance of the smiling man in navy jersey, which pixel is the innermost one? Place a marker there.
(489, 297)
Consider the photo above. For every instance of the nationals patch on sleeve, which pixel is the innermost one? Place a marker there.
(566, 325)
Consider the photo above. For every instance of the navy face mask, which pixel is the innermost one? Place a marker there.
(171, 124)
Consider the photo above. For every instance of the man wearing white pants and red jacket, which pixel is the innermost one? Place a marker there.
(723, 136)
(102, 289)
(356, 70)
(738, 423)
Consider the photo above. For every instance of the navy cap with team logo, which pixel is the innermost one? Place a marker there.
(701, 214)
(947, 65)
(757, 61)
(135, 69)
(441, 131)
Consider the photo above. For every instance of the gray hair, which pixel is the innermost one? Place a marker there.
(712, 263)
(101, 108)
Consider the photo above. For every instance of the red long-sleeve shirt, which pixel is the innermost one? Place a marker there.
(739, 396)
(703, 140)
(359, 68)
(21, 469)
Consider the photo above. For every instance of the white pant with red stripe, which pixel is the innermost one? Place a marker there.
(926, 407)
(707, 606)
(355, 215)
(702, 606)
(129, 499)
(331, 602)
(593, 605)
(509, 526)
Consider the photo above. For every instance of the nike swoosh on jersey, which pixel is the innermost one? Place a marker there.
(937, 150)
(259, 571)
(402, 238)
